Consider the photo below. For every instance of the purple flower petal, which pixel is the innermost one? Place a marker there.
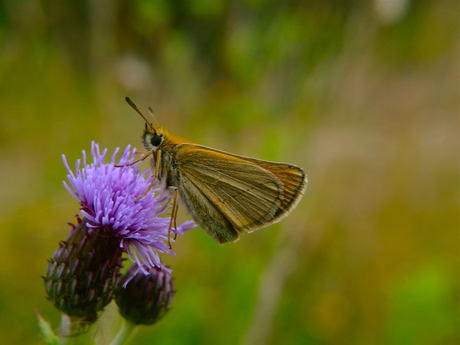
(108, 196)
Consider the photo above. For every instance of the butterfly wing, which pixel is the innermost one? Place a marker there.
(228, 194)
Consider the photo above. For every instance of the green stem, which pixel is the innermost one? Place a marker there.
(75, 331)
(124, 333)
(66, 326)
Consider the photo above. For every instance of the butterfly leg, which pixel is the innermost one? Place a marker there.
(145, 155)
(155, 174)
(175, 213)
(172, 221)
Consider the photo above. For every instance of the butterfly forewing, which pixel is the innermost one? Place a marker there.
(249, 194)
(237, 194)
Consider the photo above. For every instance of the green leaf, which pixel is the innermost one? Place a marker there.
(47, 332)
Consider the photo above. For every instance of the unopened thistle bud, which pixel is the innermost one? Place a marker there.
(82, 272)
(143, 299)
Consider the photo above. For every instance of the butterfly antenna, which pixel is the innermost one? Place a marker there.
(128, 100)
(153, 115)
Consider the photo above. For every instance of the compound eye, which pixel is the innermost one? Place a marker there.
(156, 140)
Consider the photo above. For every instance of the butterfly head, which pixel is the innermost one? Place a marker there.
(153, 137)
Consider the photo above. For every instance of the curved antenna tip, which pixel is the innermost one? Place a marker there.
(131, 103)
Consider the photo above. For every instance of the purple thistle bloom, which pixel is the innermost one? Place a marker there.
(108, 198)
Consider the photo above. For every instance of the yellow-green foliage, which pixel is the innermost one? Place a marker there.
(364, 99)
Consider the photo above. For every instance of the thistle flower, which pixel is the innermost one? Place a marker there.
(108, 197)
(83, 270)
(144, 299)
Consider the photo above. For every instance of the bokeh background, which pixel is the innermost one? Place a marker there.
(364, 95)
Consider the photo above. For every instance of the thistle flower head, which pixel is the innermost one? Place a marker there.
(111, 199)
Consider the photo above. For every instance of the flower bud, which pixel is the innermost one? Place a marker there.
(82, 272)
(142, 298)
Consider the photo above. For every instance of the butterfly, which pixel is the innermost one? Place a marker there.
(226, 194)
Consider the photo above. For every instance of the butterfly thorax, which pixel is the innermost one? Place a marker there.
(163, 147)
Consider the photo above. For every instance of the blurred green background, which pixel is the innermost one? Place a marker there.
(363, 95)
